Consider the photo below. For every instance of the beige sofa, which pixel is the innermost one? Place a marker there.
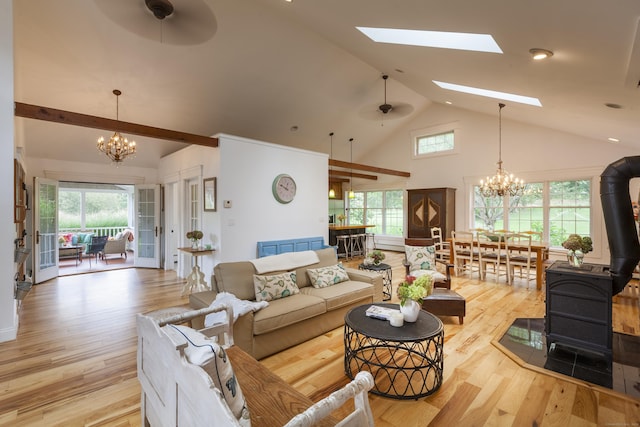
(297, 318)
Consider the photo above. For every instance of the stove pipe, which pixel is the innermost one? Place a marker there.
(618, 219)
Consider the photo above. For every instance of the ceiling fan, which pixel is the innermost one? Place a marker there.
(176, 22)
(387, 110)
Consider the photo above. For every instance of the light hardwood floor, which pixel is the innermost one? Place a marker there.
(74, 362)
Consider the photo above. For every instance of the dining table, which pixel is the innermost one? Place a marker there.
(541, 249)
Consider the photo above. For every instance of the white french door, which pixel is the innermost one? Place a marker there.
(147, 214)
(45, 229)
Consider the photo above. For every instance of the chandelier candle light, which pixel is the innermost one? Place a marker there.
(503, 182)
(118, 147)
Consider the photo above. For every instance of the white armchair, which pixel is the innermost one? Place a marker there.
(118, 245)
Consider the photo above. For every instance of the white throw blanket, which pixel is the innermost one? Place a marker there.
(239, 306)
(284, 262)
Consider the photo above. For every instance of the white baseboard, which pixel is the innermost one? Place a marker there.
(10, 333)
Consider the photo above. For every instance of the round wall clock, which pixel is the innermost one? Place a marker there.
(284, 188)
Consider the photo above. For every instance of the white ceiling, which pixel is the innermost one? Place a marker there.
(255, 68)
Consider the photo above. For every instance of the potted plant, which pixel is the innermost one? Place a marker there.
(577, 246)
(195, 237)
(412, 293)
(341, 218)
(376, 256)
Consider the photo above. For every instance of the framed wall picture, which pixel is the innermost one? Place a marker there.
(209, 188)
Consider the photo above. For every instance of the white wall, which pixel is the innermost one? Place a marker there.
(527, 151)
(8, 317)
(245, 170)
(175, 170)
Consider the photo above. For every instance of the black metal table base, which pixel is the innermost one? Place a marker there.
(402, 368)
(387, 279)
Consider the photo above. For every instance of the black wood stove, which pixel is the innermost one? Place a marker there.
(578, 307)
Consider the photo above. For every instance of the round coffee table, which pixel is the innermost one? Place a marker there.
(406, 362)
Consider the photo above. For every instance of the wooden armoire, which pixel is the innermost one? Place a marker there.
(431, 207)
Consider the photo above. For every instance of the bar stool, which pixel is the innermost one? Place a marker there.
(357, 244)
(369, 238)
(345, 240)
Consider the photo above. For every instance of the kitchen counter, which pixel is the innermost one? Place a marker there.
(349, 227)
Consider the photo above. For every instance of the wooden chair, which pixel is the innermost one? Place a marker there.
(443, 249)
(491, 251)
(518, 251)
(465, 252)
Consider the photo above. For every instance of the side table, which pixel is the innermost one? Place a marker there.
(406, 362)
(385, 271)
(195, 279)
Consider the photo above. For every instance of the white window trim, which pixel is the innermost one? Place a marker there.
(435, 130)
(598, 232)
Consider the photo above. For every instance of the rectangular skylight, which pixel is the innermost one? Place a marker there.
(490, 93)
(440, 39)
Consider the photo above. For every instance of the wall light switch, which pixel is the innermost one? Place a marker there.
(227, 203)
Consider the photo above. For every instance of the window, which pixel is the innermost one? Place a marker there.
(429, 144)
(380, 208)
(556, 208)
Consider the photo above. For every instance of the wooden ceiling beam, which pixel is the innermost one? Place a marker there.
(367, 168)
(334, 179)
(352, 174)
(77, 119)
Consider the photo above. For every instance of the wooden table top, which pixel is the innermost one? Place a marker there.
(197, 251)
(271, 400)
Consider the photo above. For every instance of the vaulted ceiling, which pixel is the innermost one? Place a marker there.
(291, 72)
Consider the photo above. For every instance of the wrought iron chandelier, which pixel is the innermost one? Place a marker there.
(118, 147)
(503, 182)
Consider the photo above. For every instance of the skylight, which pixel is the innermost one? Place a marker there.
(440, 39)
(490, 93)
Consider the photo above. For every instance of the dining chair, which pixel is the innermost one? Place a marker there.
(519, 254)
(536, 236)
(492, 251)
(465, 252)
(443, 248)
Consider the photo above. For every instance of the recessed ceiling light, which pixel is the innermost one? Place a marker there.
(612, 105)
(490, 93)
(540, 54)
(613, 139)
(293, 128)
(448, 102)
(441, 39)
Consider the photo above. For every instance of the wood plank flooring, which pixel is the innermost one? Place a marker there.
(74, 362)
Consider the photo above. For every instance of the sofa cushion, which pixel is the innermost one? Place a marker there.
(342, 294)
(421, 257)
(275, 286)
(208, 354)
(287, 311)
(327, 276)
(236, 278)
(326, 256)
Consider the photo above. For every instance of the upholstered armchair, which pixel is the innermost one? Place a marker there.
(443, 301)
(118, 245)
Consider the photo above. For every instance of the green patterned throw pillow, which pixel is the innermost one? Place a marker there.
(421, 257)
(327, 276)
(275, 286)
